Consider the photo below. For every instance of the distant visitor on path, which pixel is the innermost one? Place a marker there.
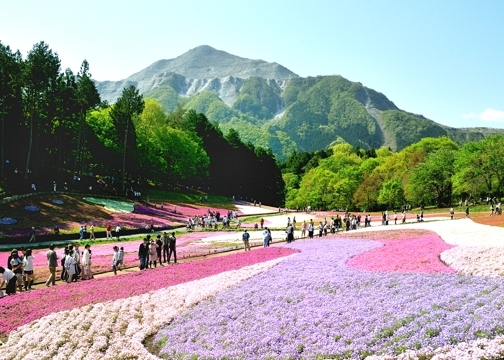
(265, 237)
(245, 238)
(32, 234)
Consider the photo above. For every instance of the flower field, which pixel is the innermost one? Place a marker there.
(426, 290)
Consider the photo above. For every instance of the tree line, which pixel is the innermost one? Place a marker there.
(433, 171)
(55, 129)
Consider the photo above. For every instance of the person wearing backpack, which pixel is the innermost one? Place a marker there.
(245, 238)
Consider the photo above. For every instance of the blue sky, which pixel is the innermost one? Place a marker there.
(442, 59)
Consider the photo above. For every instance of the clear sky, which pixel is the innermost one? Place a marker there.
(443, 59)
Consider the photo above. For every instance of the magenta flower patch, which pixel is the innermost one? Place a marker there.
(420, 254)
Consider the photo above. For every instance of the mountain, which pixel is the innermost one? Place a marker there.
(273, 107)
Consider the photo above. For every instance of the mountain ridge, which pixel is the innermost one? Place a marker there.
(271, 106)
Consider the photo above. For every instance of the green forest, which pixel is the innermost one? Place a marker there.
(432, 172)
(56, 132)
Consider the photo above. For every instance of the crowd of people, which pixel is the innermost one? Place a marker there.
(151, 251)
(212, 219)
(76, 265)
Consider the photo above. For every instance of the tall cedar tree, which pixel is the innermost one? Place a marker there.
(130, 104)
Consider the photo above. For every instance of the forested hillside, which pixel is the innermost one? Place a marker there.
(56, 132)
(433, 171)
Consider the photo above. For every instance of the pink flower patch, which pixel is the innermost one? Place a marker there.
(418, 254)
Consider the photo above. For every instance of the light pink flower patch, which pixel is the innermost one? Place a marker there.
(417, 254)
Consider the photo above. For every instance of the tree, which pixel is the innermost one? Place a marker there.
(10, 71)
(41, 72)
(479, 167)
(130, 104)
(431, 182)
(391, 194)
(368, 191)
(87, 98)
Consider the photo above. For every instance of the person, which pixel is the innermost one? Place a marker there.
(152, 254)
(52, 263)
(81, 233)
(245, 238)
(262, 223)
(118, 231)
(166, 250)
(320, 229)
(63, 270)
(86, 255)
(32, 234)
(143, 254)
(159, 249)
(114, 259)
(17, 269)
(395, 218)
(467, 211)
(120, 258)
(76, 255)
(290, 233)
(108, 230)
(69, 265)
(303, 229)
(28, 270)
(56, 230)
(173, 248)
(270, 238)
(311, 228)
(91, 232)
(266, 237)
(9, 279)
(90, 268)
(451, 213)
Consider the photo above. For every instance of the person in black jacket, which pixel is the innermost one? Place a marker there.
(172, 247)
(143, 254)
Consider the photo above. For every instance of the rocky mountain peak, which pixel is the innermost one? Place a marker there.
(199, 66)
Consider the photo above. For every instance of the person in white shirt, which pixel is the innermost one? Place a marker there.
(86, 257)
(115, 258)
(28, 269)
(9, 279)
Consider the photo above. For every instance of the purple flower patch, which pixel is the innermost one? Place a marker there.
(313, 305)
(58, 202)
(31, 208)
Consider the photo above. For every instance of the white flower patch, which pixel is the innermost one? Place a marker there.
(484, 261)
(472, 350)
(116, 329)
